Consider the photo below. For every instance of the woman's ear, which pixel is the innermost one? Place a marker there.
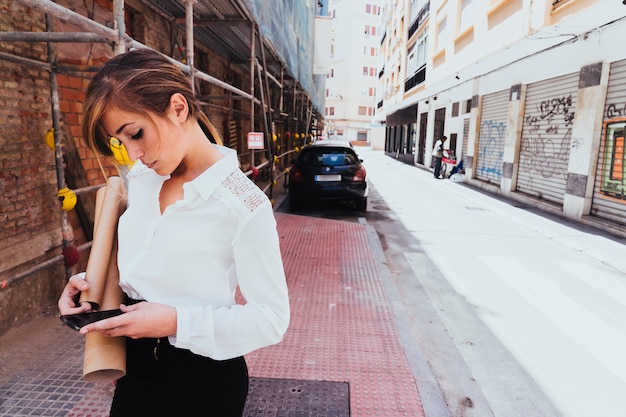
(179, 108)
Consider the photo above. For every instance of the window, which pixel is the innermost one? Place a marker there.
(368, 8)
(370, 111)
(467, 106)
(373, 30)
(415, 8)
(455, 109)
(367, 29)
(373, 51)
(331, 111)
(362, 110)
(416, 62)
(365, 71)
(372, 72)
(411, 61)
(422, 45)
(442, 33)
(466, 12)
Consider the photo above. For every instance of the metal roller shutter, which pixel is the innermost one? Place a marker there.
(546, 137)
(466, 124)
(609, 199)
(492, 135)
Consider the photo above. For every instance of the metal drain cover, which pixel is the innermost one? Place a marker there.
(270, 397)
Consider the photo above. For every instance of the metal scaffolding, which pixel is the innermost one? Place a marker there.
(230, 28)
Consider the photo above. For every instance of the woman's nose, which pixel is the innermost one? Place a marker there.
(134, 151)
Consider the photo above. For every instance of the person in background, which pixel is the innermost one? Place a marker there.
(195, 229)
(438, 153)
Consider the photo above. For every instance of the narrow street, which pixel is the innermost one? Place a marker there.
(504, 311)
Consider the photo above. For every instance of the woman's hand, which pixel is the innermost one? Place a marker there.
(69, 297)
(139, 320)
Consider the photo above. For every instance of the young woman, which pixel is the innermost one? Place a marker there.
(195, 229)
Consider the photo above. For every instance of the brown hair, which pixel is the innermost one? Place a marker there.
(141, 81)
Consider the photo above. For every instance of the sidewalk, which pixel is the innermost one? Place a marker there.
(341, 356)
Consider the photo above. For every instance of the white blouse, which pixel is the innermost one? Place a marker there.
(221, 235)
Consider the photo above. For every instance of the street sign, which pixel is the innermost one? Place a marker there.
(255, 140)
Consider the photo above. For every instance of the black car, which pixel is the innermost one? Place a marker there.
(327, 171)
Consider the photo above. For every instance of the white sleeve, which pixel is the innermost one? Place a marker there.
(228, 332)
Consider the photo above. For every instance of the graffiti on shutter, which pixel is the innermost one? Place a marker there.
(492, 135)
(546, 137)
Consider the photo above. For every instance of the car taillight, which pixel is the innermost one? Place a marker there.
(359, 175)
(295, 175)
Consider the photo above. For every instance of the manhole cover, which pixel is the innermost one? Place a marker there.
(296, 398)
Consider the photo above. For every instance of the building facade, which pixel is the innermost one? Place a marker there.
(531, 95)
(352, 82)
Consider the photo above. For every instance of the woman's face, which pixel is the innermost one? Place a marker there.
(152, 140)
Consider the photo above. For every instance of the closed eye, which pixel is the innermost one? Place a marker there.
(137, 135)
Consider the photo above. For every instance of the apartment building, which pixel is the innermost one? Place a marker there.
(352, 82)
(530, 93)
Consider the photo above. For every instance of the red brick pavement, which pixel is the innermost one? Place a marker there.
(342, 328)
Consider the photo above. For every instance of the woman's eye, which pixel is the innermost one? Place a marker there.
(137, 135)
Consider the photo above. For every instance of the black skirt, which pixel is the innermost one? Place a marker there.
(162, 380)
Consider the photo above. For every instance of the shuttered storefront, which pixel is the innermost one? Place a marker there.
(463, 155)
(546, 137)
(609, 199)
(492, 136)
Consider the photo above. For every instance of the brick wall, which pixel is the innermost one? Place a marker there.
(30, 215)
(29, 209)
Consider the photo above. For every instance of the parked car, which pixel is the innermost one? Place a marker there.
(327, 171)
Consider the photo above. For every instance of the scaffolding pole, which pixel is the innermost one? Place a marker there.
(52, 37)
(189, 41)
(66, 229)
(252, 65)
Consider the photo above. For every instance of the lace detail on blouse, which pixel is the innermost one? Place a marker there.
(240, 195)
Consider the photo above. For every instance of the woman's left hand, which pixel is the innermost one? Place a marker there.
(137, 321)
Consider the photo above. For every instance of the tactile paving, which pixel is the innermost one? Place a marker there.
(342, 346)
(342, 327)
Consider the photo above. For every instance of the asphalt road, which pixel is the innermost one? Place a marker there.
(503, 311)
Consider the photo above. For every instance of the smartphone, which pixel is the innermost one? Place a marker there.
(77, 321)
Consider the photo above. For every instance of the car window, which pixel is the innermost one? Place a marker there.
(329, 157)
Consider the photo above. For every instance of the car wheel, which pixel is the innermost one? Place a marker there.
(361, 204)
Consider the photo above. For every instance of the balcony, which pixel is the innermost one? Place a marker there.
(421, 16)
(416, 79)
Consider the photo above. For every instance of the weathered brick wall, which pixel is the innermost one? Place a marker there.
(29, 209)
(30, 230)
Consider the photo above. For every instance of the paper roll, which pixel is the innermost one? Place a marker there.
(105, 357)
(109, 201)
